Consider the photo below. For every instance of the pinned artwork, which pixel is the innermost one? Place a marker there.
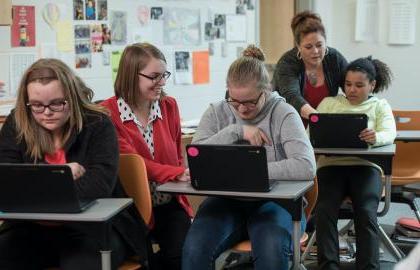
(143, 15)
(118, 26)
(23, 26)
(51, 14)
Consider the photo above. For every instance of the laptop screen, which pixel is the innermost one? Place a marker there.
(228, 167)
(337, 130)
(37, 188)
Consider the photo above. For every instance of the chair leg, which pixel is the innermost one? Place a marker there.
(387, 241)
(346, 227)
(308, 247)
(416, 208)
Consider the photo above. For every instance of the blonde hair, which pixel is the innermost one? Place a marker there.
(39, 141)
(134, 59)
(248, 69)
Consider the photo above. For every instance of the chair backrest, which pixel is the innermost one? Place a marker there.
(133, 177)
(407, 120)
(405, 167)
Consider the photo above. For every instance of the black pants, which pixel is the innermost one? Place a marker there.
(171, 227)
(363, 185)
(27, 245)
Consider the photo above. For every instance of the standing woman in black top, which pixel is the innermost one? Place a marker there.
(54, 122)
(310, 71)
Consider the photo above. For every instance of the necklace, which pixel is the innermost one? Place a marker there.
(312, 77)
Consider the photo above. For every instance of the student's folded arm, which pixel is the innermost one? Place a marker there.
(160, 173)
(101, 162)
(208, 131)
(385, 125)
(299, 163)
(9, 148)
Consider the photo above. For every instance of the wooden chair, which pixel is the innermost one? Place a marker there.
(406, 167)
(133, 177)
(311, 196)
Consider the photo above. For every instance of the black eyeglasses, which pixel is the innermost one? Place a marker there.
(55, 106)
(165, 75)
(250, 104)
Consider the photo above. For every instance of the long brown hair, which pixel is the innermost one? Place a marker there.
(134, 59)
(39, 141)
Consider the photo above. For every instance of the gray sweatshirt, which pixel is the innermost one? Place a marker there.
(290, 157)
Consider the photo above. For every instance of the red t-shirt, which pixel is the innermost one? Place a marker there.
(58, 157)
(314, 95)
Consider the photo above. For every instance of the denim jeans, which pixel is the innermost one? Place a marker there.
(221, 223)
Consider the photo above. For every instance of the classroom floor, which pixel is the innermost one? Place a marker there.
(387, 260)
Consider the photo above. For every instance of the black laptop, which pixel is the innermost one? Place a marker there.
(337, 130)
(39, 188)
(241, 168)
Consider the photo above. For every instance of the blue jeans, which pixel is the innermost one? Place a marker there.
(221, 223)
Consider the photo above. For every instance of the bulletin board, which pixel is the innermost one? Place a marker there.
(200, 39)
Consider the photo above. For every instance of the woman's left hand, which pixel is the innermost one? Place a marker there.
(185, 176)
(368, 135)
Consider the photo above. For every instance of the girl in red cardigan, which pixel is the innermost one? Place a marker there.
(148, 124)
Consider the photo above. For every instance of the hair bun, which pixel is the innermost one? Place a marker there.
(254, 52)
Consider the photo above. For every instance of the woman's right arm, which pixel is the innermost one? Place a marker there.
(286, 80)
(160, 173)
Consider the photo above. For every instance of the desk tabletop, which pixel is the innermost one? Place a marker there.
(376, 151)
(408, 135)
(101, 211)
(281, 190)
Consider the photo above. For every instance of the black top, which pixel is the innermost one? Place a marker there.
(96, 149)
(289, 75)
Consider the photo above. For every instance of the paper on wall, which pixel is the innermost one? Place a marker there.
(64, 36)
(236, 28)
(402, 24)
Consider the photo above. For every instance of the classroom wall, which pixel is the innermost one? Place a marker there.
(192, 99)
(404, 60)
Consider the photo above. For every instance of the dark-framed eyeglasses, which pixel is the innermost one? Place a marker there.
(250, 104)
(55, 106)
(165, 75)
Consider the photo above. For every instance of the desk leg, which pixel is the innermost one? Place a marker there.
(296, 245)
(106, 249)
(106, 259)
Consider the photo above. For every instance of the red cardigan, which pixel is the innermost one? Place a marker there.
(168, 161)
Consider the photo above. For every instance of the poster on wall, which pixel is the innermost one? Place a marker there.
(402, 22)
(118, 26)
(82, 47)
(183, 69)
(23, 26)
(90, 10)
(78, 13)
(201, 67)
(102, 10)
(182, 27)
